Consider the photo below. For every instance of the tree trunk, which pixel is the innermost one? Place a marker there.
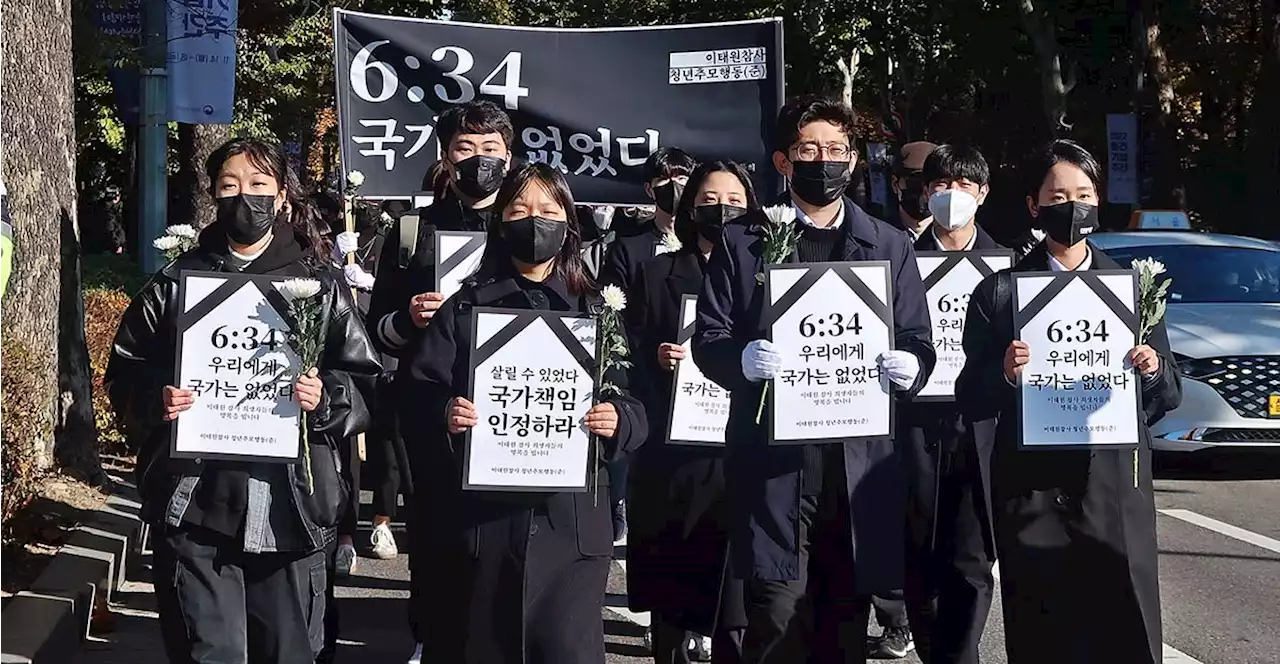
(1057, 76)
(42, 308)
(849, 72)
(1264, 139)
(190, 202)
(1161, 160)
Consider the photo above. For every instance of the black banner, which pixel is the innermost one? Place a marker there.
(592, 102)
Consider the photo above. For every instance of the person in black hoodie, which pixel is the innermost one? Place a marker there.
(239, 546)
(517, 576)
(679, 523)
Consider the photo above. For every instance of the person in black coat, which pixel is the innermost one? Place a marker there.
(815, 530)
(666, 172)
(239, 546)
(1074, 530)
(678, 518)
(517, 576)
(949, 570)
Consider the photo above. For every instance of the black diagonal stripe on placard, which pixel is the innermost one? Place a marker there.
(686, 331)
(1127, 315)
(948, 264)
(460, 256)
(793, 294)
(878, 307)
(210, 301)
(572, 344)
(503, 336)
(281, 305)
(980, 264)
(1042, 298)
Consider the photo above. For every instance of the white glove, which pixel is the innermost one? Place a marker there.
(760, 361)
(900, 366)
(603, 216)
(357, 278)
(345, 243)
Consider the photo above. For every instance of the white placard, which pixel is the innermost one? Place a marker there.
(458, 256)
(1076, 391)
(949, 279)
(532, 385)
(233, 353)
(699, 407)
(830, 321)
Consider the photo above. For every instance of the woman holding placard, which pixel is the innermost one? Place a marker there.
(678, 537)
(1075, 529)
(239, 545)
(520, 571)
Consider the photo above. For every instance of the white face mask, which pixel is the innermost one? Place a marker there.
(953, 208)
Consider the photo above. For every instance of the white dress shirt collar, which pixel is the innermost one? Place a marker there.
(1087, 263)
(804, 218)
(938, 243)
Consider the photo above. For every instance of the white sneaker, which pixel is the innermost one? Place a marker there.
(384, 543)
(344, 560)
(416, 658)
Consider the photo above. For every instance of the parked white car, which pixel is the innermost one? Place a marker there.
(1224, 328)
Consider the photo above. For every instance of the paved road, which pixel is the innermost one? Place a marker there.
(1219, 575)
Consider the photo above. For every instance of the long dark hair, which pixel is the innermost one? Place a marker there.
(685, 228)
(568, 264)
(269, 158)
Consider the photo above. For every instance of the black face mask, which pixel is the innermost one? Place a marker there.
(667, 196)
(819, 182)
(246, 218)
(1068, 223)
(912, 200)
(479, 176)
(710, 220)
(534, 240)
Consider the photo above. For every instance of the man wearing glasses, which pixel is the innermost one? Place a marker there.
(816, 529)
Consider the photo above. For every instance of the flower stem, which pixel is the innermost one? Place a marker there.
(760, 411)
(306, 455)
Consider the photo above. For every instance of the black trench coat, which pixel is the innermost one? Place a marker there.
(1075, 539)
(486, 551)
(678, 534)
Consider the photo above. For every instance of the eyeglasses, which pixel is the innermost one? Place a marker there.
(811, 151)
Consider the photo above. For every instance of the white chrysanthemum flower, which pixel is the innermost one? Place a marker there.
(1149, 266)
(355, 178)
(386, 218)
(299, 289)
(670, 242)
(182, 230)
(614, 298)
(780, 215)
(166, 243)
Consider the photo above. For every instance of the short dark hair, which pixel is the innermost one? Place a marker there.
(803, 111)
(474, 117)
(666, 163)
(1056, 152)
(685, 229)
(952, 162)
(569, 265)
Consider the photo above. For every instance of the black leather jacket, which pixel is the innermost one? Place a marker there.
(142, 363)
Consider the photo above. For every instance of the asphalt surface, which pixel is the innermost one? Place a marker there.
(1219, 583)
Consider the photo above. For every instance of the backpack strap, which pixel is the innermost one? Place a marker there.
(408, 238)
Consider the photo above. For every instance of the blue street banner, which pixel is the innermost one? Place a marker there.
(202, 60)
(591, 102)
(122, 19)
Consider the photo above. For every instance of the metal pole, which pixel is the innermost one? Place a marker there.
(153, 135)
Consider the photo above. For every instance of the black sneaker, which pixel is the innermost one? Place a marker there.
(619, 521)
(894, 643)
(699, 648)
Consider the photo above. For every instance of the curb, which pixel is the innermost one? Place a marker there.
(49, 621)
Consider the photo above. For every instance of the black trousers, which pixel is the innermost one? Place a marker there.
(671, 643)
(329, 652)
(220, 605)
(818, 618)
(950, 583)
(891, 609)
(384, 469)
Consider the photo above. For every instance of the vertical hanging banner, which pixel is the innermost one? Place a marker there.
(592, 102)
(1122, 158)
(202, 61)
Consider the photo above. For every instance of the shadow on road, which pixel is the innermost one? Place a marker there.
(1217, 465)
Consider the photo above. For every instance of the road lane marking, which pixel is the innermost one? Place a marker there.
(1234, 532)
(1174, 656)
